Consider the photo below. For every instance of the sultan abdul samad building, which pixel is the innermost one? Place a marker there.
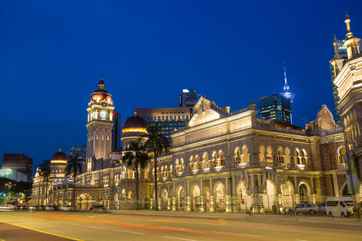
(222, 161)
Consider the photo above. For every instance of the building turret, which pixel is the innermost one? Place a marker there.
(99, 124)
(58, 164)
(134, 129)
(351, 43)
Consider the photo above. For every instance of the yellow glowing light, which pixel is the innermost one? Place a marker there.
(142, 130)
(58, 161)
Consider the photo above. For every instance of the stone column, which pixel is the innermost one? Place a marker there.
(335, 185)
(212, 209)
(202, 209)
(227, 196)
(233, 196)
(188, 198)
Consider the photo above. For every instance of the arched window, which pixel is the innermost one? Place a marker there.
(303, 193)
(341, 155)
(219, 160)
(279, 156)
(269, 154)
(213, 159)
(262, 153)
(179, 164)
(205, 161)
(298, 157)
(237, 155)
(245, 154)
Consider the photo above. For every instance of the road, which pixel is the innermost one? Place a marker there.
(142, 226)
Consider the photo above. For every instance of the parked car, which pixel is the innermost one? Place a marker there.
(339, 207)
(98, 208)
(49, 208)
(322, 209)
(306, 208)
(7, 207)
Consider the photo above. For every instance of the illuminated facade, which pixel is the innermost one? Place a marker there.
(346, 68)
(100, 124)
(220, 161)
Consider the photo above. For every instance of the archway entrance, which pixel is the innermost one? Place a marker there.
(287, 195)
(164, 199)
(242, 197)
(180, 198)
(345, 190)
(219, 194)
(303, 193)
(84, 201)
(196, 198)
(207, 198)
(269, 203)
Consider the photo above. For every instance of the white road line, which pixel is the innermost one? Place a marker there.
(178, 238)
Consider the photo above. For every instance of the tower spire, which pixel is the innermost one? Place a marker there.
(286, 88)
(347, 21)
(286, 85)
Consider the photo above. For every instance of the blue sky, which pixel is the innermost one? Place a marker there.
(53, 52)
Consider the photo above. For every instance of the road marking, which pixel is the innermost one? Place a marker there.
(45, 232)
(112, 230)
(242, 234)
(179, 238)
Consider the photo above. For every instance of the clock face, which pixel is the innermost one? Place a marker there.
(103, 115)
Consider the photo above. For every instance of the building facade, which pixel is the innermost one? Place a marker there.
(346, 68)
(219, 162)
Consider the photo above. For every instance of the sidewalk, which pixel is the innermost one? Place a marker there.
(268, 218)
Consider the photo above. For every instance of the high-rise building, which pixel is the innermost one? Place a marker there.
(346, 66)
(168, 120)
(188, 98)
(100, 124)
(278, 107)
(275, 107)
(18, 163)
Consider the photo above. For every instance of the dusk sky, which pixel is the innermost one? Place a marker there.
(53, 52)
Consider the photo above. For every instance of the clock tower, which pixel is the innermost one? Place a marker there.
(99, 125)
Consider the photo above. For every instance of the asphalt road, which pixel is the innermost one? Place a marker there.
(139, 226)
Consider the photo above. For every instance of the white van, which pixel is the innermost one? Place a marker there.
(339, 207)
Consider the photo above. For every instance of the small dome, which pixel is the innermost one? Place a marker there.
(134, 127)
(59, 155)
(135, 122)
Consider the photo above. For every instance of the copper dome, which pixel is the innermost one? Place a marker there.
(135, 122)
(59, 155)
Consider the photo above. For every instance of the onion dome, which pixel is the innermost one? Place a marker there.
(134, 126)
(59, 157)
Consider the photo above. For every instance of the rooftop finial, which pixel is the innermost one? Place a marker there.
(347, 21)
(101, 84)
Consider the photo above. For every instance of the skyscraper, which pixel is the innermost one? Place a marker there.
(278, 107)
(171, 119)
(275, 107)
(188, 98)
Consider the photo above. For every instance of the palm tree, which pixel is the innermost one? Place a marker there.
(156, 144)
(73, 168)
(136, 157)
